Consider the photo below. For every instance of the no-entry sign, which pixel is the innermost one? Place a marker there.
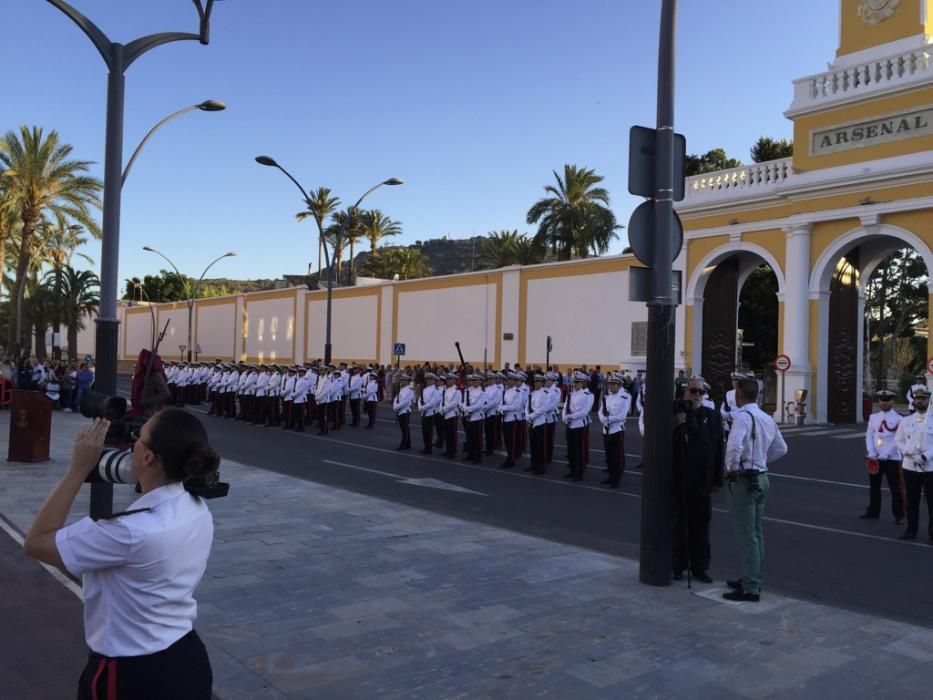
(782, 363)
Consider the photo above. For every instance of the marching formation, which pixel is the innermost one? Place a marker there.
(498, 410)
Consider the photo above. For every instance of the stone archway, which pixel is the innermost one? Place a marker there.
(719, 278)
(840, 308)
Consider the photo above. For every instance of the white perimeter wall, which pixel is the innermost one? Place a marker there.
(270, 328)
(137, 329)
(353, 327)
(177, 333)
(216, 330)
(430, 321)
(587, 316)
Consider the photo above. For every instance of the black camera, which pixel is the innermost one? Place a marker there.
(683, 405)
(115, 465)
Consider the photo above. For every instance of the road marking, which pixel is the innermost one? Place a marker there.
(428, 483)
(56, 574)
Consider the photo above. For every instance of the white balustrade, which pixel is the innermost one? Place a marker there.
(861, 80)
(748, 180)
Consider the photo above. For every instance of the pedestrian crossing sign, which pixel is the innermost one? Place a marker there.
(398, 349)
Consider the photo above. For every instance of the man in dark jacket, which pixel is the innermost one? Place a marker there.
(699, 453)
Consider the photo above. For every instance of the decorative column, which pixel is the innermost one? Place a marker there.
(797, 312)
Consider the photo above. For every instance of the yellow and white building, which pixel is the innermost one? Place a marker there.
(859, 186)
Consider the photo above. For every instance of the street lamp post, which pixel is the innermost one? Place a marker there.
(266, 160)
(119, 58)
(138, 286)
(191, 289)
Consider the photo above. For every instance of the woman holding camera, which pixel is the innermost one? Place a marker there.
(139, 567)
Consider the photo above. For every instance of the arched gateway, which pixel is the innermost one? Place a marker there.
(858, 187)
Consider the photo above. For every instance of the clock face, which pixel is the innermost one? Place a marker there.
(875, 11)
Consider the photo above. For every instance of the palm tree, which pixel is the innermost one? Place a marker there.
(9, 225)
(40, 180)
(529, 251)
(58, 245)
(347, 224)
(375, 226)
(321, 205)
(499, 249)
(399, 263)
(575, 218)
(79, 296)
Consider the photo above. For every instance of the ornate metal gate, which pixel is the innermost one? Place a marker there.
(719, 320)
(841, 375)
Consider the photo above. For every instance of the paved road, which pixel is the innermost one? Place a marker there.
(818, 549)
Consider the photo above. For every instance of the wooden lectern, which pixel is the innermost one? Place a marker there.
(30, 427)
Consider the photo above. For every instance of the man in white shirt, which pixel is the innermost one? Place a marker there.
(884, 459)
(492, 396)
(428, 405)
(473, 407)
(356, 395)
(612, 412)
(914, 439)
(511, 416)
(753, 442)
(403, 404)
(577, 418)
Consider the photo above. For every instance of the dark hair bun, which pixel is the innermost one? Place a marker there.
(202, 462)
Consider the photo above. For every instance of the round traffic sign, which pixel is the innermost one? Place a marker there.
(782, 363)
(930, 365)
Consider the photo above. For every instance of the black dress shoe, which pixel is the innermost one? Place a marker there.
(735, 584)
(568, 475)
(867, 516)
(909, 536)
(677, 575)
(898, 521)
(701, 576)
(578, 478)
(606, 482)
(506, 465)
(529, 469)
(741, 596)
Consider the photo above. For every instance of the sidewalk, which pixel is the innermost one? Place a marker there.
(316, 592)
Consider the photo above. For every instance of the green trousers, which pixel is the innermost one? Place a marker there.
(747, 504)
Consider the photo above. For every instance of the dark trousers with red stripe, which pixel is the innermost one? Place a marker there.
(576, 452)
(551, 429)
(404, 421)
(450, 436)
(510, 436)
(539, 448)
(915, 482)
(183, 670)
(615, 455)
(439, 429)
(371, 412)
(355, 412)
(475, 440)
(427, 432)
(891, 470)
(490, 426)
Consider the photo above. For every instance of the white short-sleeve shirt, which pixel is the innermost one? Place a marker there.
(140, 571)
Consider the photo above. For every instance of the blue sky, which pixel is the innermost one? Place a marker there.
(473, 103)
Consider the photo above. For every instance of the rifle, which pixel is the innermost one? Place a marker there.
(162, 394)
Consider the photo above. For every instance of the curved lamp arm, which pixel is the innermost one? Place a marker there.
(167, 259)
(117, 57)
(201, 278)
(129, 165)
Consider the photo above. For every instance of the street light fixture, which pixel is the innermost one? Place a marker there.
(392, 181)
(119, 58)
(206, 106)
(192, 291)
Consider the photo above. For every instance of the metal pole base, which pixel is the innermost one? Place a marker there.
(105, 381)
(327, 353)
(656, 526)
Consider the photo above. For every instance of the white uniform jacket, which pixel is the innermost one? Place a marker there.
(300, 393)
(492, 397)
(403, 402)
(540, 406)
(914, 439)
(474, 403)
(577, 409)
(430, 401)
(450, 402)
(512, 405)
(356, 386)
(371, 392)
(613, 410)
(879, 436)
